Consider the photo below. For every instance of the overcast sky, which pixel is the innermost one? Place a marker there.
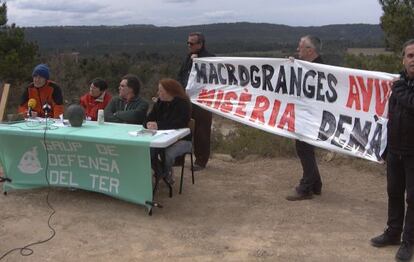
(191, 12)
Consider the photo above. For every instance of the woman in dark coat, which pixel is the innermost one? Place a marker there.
(171, 111)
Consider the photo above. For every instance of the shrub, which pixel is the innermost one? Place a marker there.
(245, 140)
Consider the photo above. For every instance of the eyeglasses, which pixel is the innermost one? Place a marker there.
(191, 44)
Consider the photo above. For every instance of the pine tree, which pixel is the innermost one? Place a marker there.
(16, 54)
(397, 22)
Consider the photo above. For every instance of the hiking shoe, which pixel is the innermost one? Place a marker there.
(385, 239)
(296, 196)
(317, 189)
(170, 177)
(405, 252)
(198, 167)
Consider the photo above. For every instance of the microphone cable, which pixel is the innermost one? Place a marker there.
(26, 250)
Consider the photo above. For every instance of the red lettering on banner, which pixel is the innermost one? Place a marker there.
(206, 97)
(288, 118)
(233, 103)
(227, 105)
(262, 104)
(359, 88)
(219, 98)
(366, 92)
(275, 113)
(243, 100)
(382, 95)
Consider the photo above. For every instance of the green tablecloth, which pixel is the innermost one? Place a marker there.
(102, 158)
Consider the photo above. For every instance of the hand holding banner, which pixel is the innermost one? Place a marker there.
(336, 108)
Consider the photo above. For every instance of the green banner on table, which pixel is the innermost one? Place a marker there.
(120, 170)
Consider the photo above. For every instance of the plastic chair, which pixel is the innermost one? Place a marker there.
(180, 160)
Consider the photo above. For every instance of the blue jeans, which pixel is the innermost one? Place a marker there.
(177, 149)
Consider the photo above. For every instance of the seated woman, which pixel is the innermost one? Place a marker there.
(171, 111)
(97, 98)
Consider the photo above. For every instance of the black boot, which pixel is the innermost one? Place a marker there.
(297, 195)
(386, 239)
(405, 252)
(317, 188)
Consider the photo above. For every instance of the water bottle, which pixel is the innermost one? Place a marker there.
(101, 118)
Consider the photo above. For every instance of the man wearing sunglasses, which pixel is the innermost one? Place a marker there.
(202, 131)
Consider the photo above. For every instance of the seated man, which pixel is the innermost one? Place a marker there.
(128, 107)
(171, 111)
(97, 98)
(42, 97)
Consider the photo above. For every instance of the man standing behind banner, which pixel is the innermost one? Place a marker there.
(128, 107)
(308, 49)
(400, 161)
(42, 97)
(203, 118)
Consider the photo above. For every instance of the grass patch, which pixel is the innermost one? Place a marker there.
(244, 140)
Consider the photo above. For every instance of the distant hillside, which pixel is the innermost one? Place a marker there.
(222, 38)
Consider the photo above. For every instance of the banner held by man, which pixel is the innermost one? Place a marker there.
(335, 108)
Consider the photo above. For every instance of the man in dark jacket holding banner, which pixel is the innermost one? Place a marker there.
(203, 118)
(308, 49)
(400, 161)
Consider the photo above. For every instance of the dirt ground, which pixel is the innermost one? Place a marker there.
(236, 211)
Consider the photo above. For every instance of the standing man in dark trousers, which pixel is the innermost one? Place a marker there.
(309, 50)
(203, 118)
(400, 161)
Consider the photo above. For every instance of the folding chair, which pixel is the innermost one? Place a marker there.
(180, 160)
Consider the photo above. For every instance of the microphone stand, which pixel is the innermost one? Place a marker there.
(47, 109)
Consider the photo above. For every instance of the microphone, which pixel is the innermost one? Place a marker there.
(31, 104)
(47, 109)
(154, 99)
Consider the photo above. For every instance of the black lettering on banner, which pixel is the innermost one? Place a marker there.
(255, 78)
(295, 81)
(268, 72)
(327, 127)
(281, 81)
(300, 83)
(343, 119)
(375, 143)
(220, 68)
(358, 139)
(309, 90)
(332, 82)
(213, 75)
(319, 96)
(201, 72)
(230, 72)
(244, 75)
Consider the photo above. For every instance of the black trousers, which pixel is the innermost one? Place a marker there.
(202, 133)
(311, 178)
(400, 180)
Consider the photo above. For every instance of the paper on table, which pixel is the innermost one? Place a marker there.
(149, 132)
(165, 132)
(63, 123)
(143, 132)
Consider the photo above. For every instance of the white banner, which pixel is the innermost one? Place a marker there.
(336, 108)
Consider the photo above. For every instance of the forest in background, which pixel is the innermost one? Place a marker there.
(223, 38)
(77, 54)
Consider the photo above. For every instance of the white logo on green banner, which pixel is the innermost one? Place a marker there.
(29, 163)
